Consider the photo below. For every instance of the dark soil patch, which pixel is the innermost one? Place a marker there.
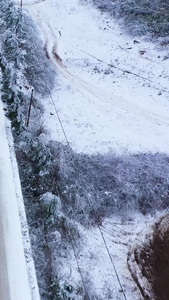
(153, 260)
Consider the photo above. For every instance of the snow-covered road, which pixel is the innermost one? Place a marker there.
(14, 283)
(112, 94)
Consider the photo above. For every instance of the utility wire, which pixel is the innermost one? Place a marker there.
(77, 262)
(116, 273)
(86, 293)
(111, 65)
(71, 239)
(112, 263)
(59, 119)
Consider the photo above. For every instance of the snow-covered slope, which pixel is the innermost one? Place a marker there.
(112, 90)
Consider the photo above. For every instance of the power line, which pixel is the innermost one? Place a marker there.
(111, 65)
(86, 293)
(77, 262)
(59, 119)
(112, 263)
(71, 239)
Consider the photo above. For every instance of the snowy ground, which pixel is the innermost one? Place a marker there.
(18, 279)
(99, 258)
(111, 96)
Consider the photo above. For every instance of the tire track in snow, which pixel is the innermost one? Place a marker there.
(91, 91)
(117, 110)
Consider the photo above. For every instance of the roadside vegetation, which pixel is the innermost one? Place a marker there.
(140, 17)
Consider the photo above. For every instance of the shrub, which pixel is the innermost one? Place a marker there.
(140, 16)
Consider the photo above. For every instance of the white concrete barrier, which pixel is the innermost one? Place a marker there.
(14, 283)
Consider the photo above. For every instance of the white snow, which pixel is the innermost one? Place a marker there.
(18, 279)
(103, 108)
(105, 272)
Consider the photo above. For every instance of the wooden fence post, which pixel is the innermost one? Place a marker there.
(29, 111)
